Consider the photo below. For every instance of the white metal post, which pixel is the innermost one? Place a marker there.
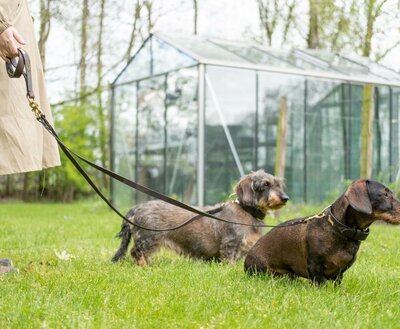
(201, 136)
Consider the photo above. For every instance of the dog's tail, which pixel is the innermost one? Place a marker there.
(126, 235)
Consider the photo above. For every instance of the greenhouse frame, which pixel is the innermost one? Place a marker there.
(190, 116)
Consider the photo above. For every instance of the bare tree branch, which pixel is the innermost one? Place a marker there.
(379, 57)
(44, 29)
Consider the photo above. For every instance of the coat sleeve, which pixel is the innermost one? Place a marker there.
(4, 22)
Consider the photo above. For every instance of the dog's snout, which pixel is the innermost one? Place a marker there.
(284, 198)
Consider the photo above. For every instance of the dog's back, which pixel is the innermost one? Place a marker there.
(281, 251)
(204, 238)
(199, 239)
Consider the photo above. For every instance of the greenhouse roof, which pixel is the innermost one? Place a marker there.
(169, 53)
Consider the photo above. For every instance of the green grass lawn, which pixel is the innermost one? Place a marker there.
(89, 291)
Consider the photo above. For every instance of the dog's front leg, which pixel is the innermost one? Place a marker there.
(338, 279)
(230, 250)
(316, 272)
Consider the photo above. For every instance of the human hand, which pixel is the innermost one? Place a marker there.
(10, 40)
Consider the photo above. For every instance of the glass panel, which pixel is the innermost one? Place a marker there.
(377, 69)
(381, 148)
(326, 130)
(277, 58)
(155, 57)
(182, 135)
(167, 58)
(151, 141)
(296, 60)
(274, 88)
(139, 66)
(302, 62)
(256, 55)
(207, 49)
(383, 72)
(306, 61)
(124, 141)
(338, 62)
(230, 115)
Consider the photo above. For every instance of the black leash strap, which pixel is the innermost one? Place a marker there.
(22, 66)
(71, 155)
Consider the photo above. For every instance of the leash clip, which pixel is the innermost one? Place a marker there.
(35, 107)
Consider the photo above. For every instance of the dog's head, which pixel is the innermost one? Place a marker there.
(373, 200)
(261, 191)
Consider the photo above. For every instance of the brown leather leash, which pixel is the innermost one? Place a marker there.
(21, 66)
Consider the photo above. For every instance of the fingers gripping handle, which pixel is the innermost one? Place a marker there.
(15, 67)
(21, 65)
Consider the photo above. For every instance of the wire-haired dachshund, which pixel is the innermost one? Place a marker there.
(323, 247)
(204, 238)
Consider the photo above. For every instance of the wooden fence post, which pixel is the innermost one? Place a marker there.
(281, 138)
(367, 131)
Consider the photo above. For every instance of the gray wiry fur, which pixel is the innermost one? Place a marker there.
(204, 238)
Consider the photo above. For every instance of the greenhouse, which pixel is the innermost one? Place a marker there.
(190, 116)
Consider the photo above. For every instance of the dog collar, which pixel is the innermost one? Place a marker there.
(349, 232)
(255, 212)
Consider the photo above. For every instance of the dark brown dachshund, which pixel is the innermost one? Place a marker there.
(323, 247)
(204, 238)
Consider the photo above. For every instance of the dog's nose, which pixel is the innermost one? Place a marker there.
(284, 198)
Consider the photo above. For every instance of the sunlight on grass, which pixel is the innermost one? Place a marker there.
(88, 291)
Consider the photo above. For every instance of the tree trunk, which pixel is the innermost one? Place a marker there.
(267, 23)
(374, 9)
(8, 185)
(313, 41)
(136, 18)
(195, 7)
(25, 188)
(44, 29)
(288, 21)
(101, 116)
(84, 39)
(366, 50)
(149, 7)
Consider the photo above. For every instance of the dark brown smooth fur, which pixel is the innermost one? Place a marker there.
(205, 238)
(315, 249)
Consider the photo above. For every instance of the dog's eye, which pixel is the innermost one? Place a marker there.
(267, 184)
(386, 194)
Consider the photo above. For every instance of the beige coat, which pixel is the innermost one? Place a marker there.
(24, 144)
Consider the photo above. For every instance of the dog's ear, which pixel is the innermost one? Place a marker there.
(258, 185)
(244, 191)
(358, 197)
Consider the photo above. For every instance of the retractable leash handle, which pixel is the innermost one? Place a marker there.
(21, 65)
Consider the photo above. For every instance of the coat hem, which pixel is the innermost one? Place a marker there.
(29, 169)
